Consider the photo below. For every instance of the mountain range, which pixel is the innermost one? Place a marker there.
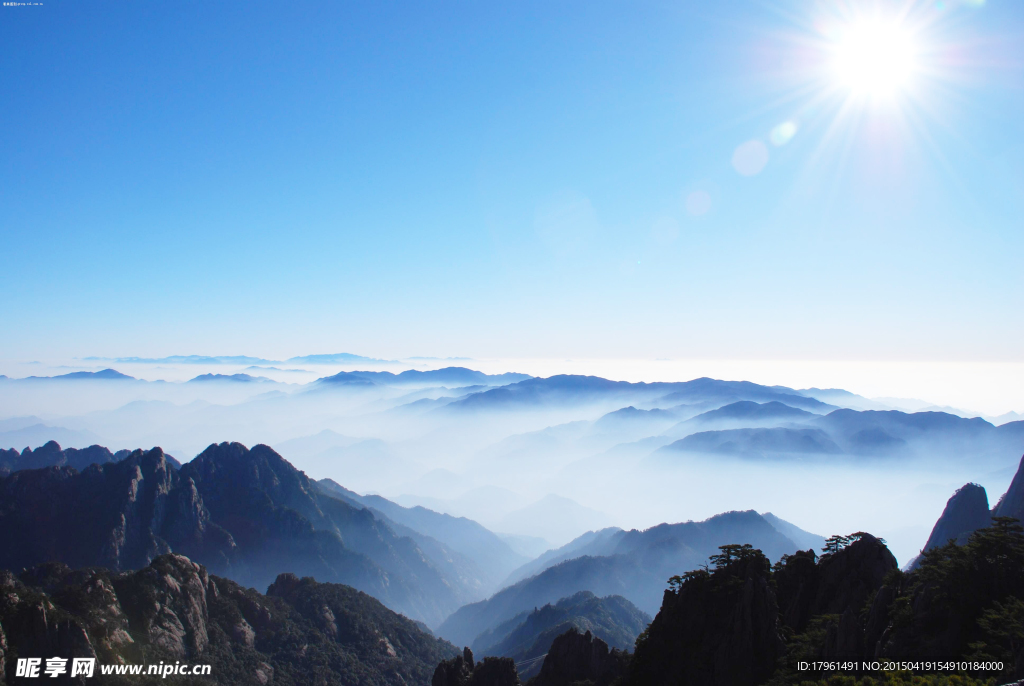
(527, 637)
(633, 564)
(248, 515)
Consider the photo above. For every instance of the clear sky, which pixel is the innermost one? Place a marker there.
(513, 179)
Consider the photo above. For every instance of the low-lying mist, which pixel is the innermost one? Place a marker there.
(551, 459)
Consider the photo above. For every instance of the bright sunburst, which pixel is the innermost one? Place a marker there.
(874, 57)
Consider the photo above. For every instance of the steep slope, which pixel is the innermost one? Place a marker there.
(245, 514)
(173, 611)
(966, 511)
(492, 556)
(591, 543)
(803, 539)
(603, 576)
(1012, 502)
(280, 522)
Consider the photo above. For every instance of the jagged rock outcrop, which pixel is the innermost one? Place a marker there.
(173, 610)
(166, 604)
(454, 672)
(576, 657)
(494, 671)
(1012, 502)
(840, 584)
(462, 671)
(720, 629)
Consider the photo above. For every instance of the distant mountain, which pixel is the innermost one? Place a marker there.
(757, 442)
(248, 514)
(529, 547)
(190, 359)
(314, 444)
(804, 540)
(230, 378)
(15, 423)
(491, 555)
(704, 389)
(52, 455)
(39, 434)
(868, 433)
(1006, 418)
(174, 611)
(841, 398)
(366, 464)
(105, 374)
(458, 376)
(528, 636)
(584, 390)
(641, 423)
(634, 564)
(745, 414)
(555, 517)
(596, 543)
(873, 431)
(334, 358)
(610, 542)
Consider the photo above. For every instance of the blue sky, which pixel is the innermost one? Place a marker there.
(505, 180)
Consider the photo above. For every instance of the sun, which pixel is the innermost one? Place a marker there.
(874, 58)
